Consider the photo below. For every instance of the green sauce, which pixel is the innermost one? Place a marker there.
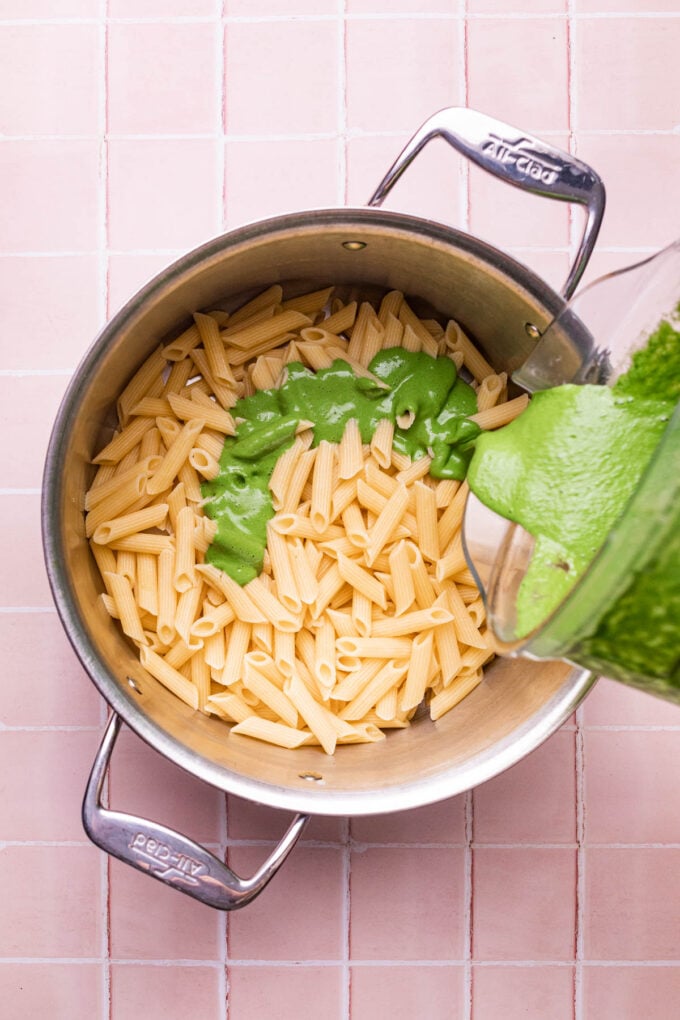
(565, 470)
(413, 387)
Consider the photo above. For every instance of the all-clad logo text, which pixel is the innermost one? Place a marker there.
(161, 859)
(526, 162)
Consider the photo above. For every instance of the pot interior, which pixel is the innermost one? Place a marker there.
(442, 272)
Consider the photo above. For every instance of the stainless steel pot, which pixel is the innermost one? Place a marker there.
(502, 305)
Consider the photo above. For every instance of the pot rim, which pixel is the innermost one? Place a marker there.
(416, 793)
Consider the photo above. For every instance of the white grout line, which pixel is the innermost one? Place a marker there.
(105, 880)
(312, 844)
(106, 936)
(346, 920)
(9, 610)
(537, 964)
(66, 728)
(464, 86)
(576, 215)
(51, 843)
(342, 184)
(313, 136)
(223, 981)
(103, 311)
(468, 892)
(575, 231)
(221, 120)
(297, 964)
(415, 15)
(203, 136)
(468, 862)
(21, 373)
(55, 729)
(580, 891)
(631, 727)
(102, 191)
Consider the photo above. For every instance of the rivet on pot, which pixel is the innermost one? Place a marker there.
(312, 777)
(532, 331)
(354, 245)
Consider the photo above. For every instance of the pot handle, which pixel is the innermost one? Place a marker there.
(514, 157)
(167, 855)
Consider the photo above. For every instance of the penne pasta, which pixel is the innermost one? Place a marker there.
(381, 443)
(270, 607)
(213, 346)
(391, 674)
(365, 607)
(121, 499)
(283, 647)
(267, 299)
(177, 454)
(309, 303)
(187, 610)
(501, 414)
(426, 518)
(185, 557)
(128, 614)
(209, 411)
(448, 653)
(270, 695)
(386, 523)
(123, 442)
(324, 656)
(169, 677)
(418, 674)
(467, 630)
(394, 331)
(390, 305)
(200, 678)
(282, 569)
(375, 647)
(457, 342)
(490, 390)
(141, 383)
(147, 583)
(403, 588)
(249, 338)
(361, 616)
(317, 718)
(239, 640)
(271, 732)
(341, 320)
(362, 581)
(450, 696)
(350, 453)
(412, 623)
(238, 598)
(322, 486)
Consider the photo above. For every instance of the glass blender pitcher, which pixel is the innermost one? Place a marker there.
(622, 617)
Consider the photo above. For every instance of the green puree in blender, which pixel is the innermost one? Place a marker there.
(565, 470)
(413, 386)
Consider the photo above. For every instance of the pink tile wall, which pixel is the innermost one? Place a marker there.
(130, 131)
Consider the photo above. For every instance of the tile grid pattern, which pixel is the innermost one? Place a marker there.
(564, 844)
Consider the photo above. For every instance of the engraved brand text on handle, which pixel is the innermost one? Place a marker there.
(525, 160)
(161, 859)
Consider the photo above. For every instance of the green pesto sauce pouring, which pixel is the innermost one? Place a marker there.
(565, 470)
(416, 386)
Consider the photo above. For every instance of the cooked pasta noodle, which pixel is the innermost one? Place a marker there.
(365, 607)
